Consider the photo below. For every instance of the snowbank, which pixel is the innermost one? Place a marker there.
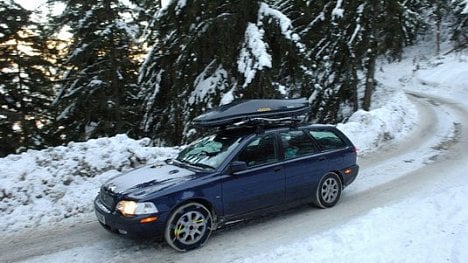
(39, 187)
(447, 76)
(391, 118)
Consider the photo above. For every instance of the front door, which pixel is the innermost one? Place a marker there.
(260, 186)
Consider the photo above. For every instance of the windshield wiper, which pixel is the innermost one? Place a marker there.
(179, 162)
(202, 165)
(199, 165)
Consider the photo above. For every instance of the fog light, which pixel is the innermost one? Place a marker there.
(148, 219)
(348, 171)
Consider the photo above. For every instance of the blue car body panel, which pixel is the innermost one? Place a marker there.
(254, 189)
(302, 175)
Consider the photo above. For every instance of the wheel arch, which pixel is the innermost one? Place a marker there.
(340, 175)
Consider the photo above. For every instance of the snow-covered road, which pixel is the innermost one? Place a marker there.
(429, 160)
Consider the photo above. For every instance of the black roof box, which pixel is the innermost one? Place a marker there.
(245, 110)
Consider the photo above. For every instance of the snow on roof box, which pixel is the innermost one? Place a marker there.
(243, 110)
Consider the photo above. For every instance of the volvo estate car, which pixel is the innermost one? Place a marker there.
(234, 173)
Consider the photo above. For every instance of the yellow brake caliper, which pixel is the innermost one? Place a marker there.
(177, 231)
(198, 221)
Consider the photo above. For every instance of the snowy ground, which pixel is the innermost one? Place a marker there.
(408, 204)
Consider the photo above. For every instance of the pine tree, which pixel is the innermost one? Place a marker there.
(25, 89)
(344, 39)
(208, 53)
(331, 33)
(97, 94)
(145, 13)
(389, 27)
(460, 25)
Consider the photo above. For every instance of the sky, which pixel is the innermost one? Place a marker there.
(33, 4)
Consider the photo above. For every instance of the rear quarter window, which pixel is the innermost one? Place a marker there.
(328, 140)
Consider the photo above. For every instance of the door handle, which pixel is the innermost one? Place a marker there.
(276, 169)
(322, 158)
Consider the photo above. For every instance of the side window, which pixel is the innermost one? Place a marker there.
(260, 151)
(328, 140)
(296, 143)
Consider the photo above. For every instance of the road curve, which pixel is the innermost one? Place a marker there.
(391, 174)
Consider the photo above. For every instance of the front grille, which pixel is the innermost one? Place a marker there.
(106, 199)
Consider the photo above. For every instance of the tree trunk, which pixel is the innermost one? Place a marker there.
(437, 34)
(370, 83)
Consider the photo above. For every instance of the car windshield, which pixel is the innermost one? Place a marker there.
(209, 152)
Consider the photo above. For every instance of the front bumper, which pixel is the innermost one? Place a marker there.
(129, 226)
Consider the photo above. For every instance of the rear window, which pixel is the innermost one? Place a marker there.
(328, 140)
(296, 143)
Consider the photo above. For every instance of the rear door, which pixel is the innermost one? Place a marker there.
(303, 164)
(331, 144)
(261, 185)
(341, 153)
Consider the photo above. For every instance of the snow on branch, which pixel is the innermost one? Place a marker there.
(338, 12)
(178, 8)
(253, 55)
(284, 22)
(208, 82)
(465, 9)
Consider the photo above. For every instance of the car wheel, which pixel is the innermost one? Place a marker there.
(328, 191)
(188, 227)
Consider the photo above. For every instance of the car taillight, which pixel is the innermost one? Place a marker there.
(355, 151)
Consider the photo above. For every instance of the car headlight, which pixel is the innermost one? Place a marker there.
(132, 208)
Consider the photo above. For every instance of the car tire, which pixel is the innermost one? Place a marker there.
(189, 226)
(328, 191)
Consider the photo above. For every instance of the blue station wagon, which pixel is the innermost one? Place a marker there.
(232, 174)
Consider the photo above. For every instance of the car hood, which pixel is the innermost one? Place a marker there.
(148, 179)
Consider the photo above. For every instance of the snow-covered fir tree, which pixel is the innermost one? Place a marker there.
(460, 24)
(208, 53)
(199, 54)
(388, 26)
(96, 97)
(343, 39)
(25, 87)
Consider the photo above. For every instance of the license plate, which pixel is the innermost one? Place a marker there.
(101, 218)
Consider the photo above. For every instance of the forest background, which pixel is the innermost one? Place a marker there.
(147, 68)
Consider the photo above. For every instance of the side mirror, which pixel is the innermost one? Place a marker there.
(238, 166)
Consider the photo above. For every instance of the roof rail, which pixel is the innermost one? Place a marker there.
(270, 121)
